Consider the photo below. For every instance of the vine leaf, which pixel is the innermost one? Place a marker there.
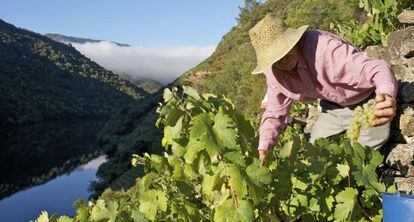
(172, 132)
(258, 174)
(101, 211)
(224, 128)
(151, 201)
(227, 212)
(346, 202)
(236, 181)
(343, 169)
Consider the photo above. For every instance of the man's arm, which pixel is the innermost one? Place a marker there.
(274, 118)
(354, 67)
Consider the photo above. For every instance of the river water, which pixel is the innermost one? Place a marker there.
(57, 195)
(47, 166)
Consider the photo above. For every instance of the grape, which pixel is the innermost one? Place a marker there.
(364, 116)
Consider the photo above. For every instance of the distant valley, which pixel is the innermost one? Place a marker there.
(148, 66)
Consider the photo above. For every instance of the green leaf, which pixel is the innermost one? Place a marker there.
(376, 158)
(209, 182)
(343, 169)
(78, 203)
(65, 219)
(101, 211)
(145, 181)
(167, 94)
(138, 216)
(296, 183)
(44, 217)
(346, 201)
(177, 149)
(174, 162)
(191, 92)
(171, 133)
(286, 149)
(236, 181)
(359, 152)
(235, 157)
(258, 174)
(151, 201)
(82, 214)
(224, 128)
(189, 171)
(193, 148)
(246, 133)
(227, 212)
(202, 137)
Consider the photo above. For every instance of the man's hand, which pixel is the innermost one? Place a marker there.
(385, 109)
(262, 154)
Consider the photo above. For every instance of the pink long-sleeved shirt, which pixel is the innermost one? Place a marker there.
(330, 68)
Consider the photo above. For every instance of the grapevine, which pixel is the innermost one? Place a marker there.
(364, 117)
(210, 172)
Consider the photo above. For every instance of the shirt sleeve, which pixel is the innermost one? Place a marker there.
(274, 118)
(352, 66)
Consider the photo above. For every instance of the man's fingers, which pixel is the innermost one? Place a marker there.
(389, 112)
(380, 121)
(385, 104)
(262, 154)
(379, 98)
(385, 109)
(262, 162)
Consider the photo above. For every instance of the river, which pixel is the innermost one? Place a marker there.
(47, 166)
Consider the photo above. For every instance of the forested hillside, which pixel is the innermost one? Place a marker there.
(46, 80)
(228, 70)
(147, 84)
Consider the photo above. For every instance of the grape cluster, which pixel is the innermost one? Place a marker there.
(364, 116)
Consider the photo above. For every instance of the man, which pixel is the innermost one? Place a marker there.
(305, 65)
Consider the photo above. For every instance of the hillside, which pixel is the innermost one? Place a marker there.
(149, 85)
(47, 80)
(228, 70)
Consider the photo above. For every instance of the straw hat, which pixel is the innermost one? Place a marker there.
(272, 40)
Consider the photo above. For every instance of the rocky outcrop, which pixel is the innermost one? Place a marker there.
(407, 125)
(407, 16)
(400, 167)
(399, 53)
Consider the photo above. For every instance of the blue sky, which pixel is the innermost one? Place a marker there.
(134, 22)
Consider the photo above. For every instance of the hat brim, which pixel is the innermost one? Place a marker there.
(277, 49)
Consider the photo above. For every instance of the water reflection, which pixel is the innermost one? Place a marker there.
(93, 164)
(32, 155)
(56, 195)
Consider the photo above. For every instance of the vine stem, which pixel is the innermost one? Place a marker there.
(181, 102)
(363, 210)
(232, 192)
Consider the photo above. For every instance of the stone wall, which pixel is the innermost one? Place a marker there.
(399, 53)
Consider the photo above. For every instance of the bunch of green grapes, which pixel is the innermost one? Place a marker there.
(364, 116)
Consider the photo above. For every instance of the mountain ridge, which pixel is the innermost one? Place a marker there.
(47, 80)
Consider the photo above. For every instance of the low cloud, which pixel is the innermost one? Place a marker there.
(163, 64)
